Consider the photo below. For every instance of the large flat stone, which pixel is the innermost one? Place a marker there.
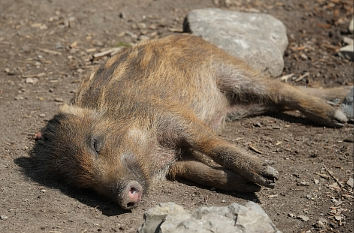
(259, 39)
(235, 218)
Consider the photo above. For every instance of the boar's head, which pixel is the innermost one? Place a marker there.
(90, 150)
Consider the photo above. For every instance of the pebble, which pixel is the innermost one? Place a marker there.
(42, 115)
(153, 26)
(303, 183)
(31, 80)
(3, 217)
(350, 182)
(143, 38)
(347, 52)
(319, 224)
(19, 97)
(59, 45)
(257, 124)
(303, 218)
(59, 100)
(121, 15)
(8, 71)
(141, 25)
(351, 25)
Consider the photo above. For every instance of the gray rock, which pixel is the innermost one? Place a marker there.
(172, 218)
(155, 216)
(259, 39)
(347, 52)
(348, 105)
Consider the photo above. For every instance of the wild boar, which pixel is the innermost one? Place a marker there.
(153, 111)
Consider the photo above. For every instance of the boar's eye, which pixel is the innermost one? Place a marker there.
(96, 143)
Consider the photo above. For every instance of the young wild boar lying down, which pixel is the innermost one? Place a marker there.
(153, 110)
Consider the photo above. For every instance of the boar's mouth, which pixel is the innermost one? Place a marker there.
(127, 191)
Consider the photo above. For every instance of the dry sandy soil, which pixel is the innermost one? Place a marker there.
(47, 46)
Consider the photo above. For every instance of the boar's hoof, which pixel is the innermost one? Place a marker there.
(131, 195)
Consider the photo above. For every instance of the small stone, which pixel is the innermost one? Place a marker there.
(291, 215)
(141, 25)
(59, 45)
(316, 181)
(121, 15)
(19, 97)
(303, 218)
(121, 34)
(132, 35)
(347, 106)
(350, 182)
(98, 43)
(303, 183)
(40, 26)
(8, 71)
(347, 52)
(31, 80)
(223, 201)
(59, 100)
(26, 49)
(257, 124)
(351, 25)
(348, 40)
(143, 38)
(320, 224)
(3, 217)
(153, 26)
(42, 115)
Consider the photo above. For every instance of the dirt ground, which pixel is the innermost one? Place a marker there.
(46, 46)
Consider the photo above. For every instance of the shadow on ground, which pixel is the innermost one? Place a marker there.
(85, 196)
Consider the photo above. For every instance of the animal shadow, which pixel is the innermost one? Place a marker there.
(85, 196)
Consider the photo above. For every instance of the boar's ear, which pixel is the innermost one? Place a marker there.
(73, 110)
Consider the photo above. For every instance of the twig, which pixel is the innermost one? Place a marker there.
(254, 149)
(334, 178)
(286, 77)
(33, 75)
(302, 77)
(50, 51)
(322, 175)
(109, 52)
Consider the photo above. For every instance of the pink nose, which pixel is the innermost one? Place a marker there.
(131, 195)
(134, 194)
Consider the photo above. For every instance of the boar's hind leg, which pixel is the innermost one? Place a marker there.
(204, 175)
(335, 94)
(244, 86)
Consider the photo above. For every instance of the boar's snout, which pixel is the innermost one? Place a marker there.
(130, 196)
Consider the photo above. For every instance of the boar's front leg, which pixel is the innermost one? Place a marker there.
(185, 129)
(236, 159)
(219, 178)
